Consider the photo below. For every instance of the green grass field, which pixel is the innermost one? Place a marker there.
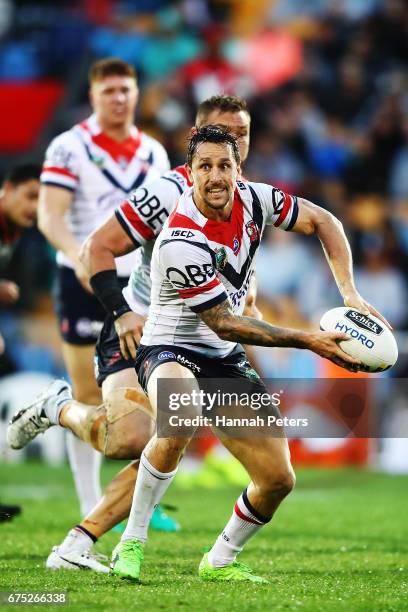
(340, 542)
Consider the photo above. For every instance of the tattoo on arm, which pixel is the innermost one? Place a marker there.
(247, 330)
(216, 316)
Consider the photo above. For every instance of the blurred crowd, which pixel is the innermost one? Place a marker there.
(327, 87)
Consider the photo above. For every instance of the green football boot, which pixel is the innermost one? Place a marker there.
(236, 572)
(161, 521)
(127, 559)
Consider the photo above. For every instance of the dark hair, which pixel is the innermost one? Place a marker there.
(22, 173)
(222, 103)
(217, 135)
(110, 66)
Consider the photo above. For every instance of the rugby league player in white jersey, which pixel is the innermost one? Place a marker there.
(201, 265)
(87, 173)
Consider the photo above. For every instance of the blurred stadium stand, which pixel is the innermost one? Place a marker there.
(328, 91)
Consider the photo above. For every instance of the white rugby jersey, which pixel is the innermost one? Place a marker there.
(142, 216)
(198, 263)
(101, 173)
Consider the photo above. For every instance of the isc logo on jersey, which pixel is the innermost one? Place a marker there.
(182, 233)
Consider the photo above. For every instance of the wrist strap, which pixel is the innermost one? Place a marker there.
(107, 289)
(120, 311)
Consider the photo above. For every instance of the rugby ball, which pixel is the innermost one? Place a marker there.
(371, 340)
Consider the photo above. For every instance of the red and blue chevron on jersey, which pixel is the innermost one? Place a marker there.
(197, 263)
(100, 173)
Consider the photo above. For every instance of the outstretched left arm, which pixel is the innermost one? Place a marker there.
(313, 219)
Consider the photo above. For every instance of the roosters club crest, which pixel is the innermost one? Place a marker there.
(252, 230)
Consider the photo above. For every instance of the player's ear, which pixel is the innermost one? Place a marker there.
(190, 174)
(193, 130)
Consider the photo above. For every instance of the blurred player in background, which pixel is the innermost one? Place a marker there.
(18, 211)
(87, 173)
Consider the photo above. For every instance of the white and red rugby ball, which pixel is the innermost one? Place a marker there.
(372, 342)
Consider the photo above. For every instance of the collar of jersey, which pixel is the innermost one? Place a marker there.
(188, 208)
(116, 150)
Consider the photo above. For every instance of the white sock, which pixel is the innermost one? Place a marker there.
(85, 465)
(53, 409)
(78, 540)
(150, 487)
(244, 523)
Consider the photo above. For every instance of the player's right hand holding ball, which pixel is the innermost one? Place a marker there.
(326, 345)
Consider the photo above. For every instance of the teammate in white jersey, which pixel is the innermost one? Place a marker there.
(201, 264)
(87, 173)
(120, 428)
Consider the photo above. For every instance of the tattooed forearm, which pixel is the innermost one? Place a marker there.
(215, 317)
(247, 330)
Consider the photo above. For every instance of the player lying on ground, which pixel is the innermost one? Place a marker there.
(114, 428)
(200, 268)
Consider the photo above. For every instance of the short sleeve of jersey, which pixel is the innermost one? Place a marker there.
(189, 267)
(280, 209)
(61, 165)
(143, 214)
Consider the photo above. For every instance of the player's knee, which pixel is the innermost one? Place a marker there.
(129, 446)
(95, 428)
(280, 482)
(287, 482)
(130, 423)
